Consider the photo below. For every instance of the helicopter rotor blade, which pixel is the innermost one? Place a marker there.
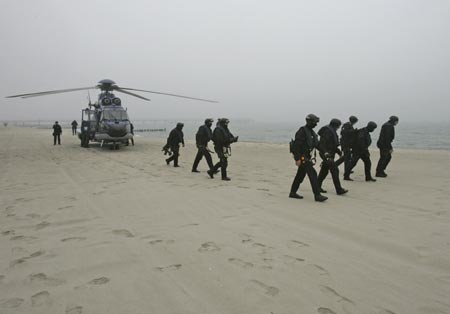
(51, 92)
(132, 94)
(160, 93)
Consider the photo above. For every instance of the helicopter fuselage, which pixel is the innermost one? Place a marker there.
(107, 121)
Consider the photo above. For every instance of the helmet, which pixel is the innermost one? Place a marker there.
(353, 119)
(371, 126)
(336, 123)
(209, 120)
(393, 119)
(180, 125)
(312, 117)
(224, 121)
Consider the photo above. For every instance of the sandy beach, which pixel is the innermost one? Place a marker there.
(102, 231)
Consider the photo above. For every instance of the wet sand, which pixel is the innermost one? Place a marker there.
(101, 231)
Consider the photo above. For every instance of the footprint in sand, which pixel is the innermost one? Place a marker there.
(42, 278)
(296, 244)
(386, 311)
(209, 247)
(42, 225)
(270, 290)
(34, 216)
(74, 310)
(159, 241)
(99, 281)
(21, 237)
(37, 254)
(245, 238)
(73, 239)
(40, 299)
(16, 262)
(325, 310)
(240, 263)
(332, 292)
(123, 233)
(168, 268)
(292, 260)
(8, 232)
(11, 303)
(322, 271)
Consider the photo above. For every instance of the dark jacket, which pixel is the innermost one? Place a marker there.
(387, 135)
(176, 137)
(305, 141)
(222, 137)
(363, 140)
(329, 141)
(74, 124)
(348, 135)
(203, 136)
(57, 129)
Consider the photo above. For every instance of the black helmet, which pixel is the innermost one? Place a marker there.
(180, 125)
(353, 119)
(312, 117)
(209, 120)
(224, 121)
(371, 126)
(336, 123)
(393, 119)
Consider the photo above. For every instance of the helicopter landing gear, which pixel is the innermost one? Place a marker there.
(115, 146)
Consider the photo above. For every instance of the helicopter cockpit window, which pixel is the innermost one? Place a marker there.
(115, 115)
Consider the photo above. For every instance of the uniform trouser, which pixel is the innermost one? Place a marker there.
(365, 156)
(222, 164)
(385, 158)
(57, 137)
(303, 170)
(203, 151)
(346, 159)
(84, 140)
(334, 170)
(174, 157)
(74, 131)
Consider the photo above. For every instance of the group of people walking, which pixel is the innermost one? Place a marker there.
(354, 145)
(348, 149)
(220, 136)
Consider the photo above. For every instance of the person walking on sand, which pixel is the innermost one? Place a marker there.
(74, 127)
(176, 137)
(305, 142)
(363, 141)
(384, 143)
(222, 139)
(203, 136)
(328, 148)
(57, 131)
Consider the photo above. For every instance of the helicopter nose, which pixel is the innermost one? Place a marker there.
(117, 129)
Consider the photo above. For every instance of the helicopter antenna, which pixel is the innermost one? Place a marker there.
(89, 98)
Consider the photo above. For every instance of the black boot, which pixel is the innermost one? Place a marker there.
(210, 173)
(381, 174)
(320, 198)
(341, 191)
(295, 195)
(370, 179)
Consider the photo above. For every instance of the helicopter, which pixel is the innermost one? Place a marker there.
(106, 121)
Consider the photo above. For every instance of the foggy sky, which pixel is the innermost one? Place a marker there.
(263, 60)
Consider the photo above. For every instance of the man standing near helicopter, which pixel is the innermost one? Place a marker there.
(57, 131)
(176, 137)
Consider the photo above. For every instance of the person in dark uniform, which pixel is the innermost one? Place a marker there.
(361, 151)
(176, 137)
(305, 142)
(222, 139)
(57, 131)
(348, 139)
(203, 136)
(85, 133)
(384, 143)
(132, 133)
(74, 127)
(328, 148)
